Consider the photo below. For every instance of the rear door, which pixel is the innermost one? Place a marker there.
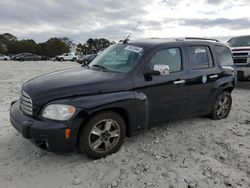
(202, 73)
(28, 57)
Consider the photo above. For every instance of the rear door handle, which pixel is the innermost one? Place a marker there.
(177, 82)
(213, 76)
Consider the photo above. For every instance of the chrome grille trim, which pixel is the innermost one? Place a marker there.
(240, 60)
(26, 103)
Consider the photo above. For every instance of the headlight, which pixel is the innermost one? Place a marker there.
(59, 112)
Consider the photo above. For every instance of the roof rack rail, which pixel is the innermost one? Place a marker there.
(197, 38)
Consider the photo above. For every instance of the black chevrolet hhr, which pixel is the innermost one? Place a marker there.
(128, 87)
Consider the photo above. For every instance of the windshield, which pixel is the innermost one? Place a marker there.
(240, 41)
(117, 58)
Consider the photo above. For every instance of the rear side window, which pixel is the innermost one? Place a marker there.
(200, 57)
(170, 57)
(224, 55)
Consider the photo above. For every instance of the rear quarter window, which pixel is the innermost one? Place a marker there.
(200, 57)
(224, 55)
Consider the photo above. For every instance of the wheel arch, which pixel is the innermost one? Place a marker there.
(119, 110)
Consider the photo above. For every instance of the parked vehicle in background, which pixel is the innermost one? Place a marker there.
(129, 87)
(85, 60)
(44, 58)
(27, 57)
(13, 57)
(240, 47)
(4, 57)
(67, 57)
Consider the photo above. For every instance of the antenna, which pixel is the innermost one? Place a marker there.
(126, 40)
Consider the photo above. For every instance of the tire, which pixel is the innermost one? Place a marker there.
(74, 59)
(222, 106)
(21, 59)
(5, 59)
(61, 59)
(35, 59)
(96, 139)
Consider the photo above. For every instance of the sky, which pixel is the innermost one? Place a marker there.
(114, 19)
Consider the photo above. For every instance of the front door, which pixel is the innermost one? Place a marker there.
(166, 95)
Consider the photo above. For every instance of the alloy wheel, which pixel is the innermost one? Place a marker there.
(223, 107)
(104, 136)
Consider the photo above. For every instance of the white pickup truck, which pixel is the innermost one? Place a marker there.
(241, 54)
(67, 57)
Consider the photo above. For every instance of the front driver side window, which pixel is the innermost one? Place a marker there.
(170, 57)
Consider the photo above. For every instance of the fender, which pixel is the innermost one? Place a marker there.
(224, 83)
(131, 105)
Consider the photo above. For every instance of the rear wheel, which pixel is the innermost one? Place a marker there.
(102, 135)
(222, 106)
(5, 59)
(61, 59)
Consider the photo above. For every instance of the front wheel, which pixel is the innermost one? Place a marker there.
(102, 135)
(222, 106)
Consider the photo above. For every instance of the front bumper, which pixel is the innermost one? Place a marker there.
(243, 72)
(49, 133)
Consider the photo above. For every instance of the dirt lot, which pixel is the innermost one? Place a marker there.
(190, 153)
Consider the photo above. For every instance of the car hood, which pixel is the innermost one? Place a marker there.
(74, 82)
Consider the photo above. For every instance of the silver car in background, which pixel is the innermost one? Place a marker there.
(4, 57)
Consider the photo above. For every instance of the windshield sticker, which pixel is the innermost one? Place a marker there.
(135, 49)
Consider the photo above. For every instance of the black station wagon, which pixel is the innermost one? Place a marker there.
(127, 88)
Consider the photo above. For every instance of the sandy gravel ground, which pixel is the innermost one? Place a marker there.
(189, 153)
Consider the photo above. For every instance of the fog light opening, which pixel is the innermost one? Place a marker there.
(42, 144)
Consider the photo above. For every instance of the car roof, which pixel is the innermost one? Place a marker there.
(151, 42)
(242, 36)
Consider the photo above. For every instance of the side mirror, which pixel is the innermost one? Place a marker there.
(161, 70)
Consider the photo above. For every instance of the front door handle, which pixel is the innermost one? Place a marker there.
(213, 76)
(177, 82)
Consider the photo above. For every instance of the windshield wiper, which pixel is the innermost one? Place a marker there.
(100, 67)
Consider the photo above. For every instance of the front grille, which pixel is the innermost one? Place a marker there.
(26, 103)
(240, 54)
(242, 60)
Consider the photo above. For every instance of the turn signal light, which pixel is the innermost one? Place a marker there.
(67, 133)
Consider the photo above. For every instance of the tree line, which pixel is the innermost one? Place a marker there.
(9, 44)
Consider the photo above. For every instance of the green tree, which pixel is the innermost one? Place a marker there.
(15, 47)
(54, 46)
(93, 46)
(5, 40)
